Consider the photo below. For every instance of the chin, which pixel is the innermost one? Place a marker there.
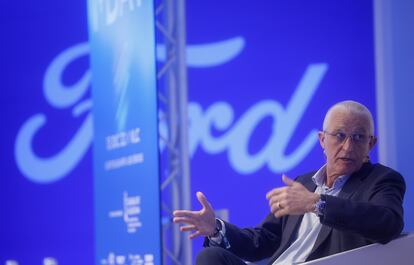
(341, 168)
(348, 170)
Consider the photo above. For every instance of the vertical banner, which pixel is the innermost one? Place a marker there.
(126, 177)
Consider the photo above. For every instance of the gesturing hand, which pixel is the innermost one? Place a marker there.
(202, 222)
(294, 198)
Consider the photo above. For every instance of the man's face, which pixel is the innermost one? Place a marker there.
(345, 155)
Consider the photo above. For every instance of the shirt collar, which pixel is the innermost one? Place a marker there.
(320, 176)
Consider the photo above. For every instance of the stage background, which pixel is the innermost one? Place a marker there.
(293, 58)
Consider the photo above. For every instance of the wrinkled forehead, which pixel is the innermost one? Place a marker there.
(348, 121)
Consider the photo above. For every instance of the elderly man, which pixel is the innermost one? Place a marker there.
(347, 203)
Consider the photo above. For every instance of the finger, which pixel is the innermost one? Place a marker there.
(281, 212)
(187, 228)
(183, 220)
(272, 193)
(194, 235)
(276, 207)
(185, 213)
(277, 198)
(203, 200)
(273, 201)
(269, 195)
(287, 181)
(275, 192)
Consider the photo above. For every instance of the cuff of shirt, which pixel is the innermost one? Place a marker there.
(216, 240)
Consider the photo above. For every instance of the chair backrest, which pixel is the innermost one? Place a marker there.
(397, 252)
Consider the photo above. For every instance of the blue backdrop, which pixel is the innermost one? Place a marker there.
(261, 77)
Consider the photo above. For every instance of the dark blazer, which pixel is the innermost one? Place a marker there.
(367, 210)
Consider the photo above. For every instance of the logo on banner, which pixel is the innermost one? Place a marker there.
(130, 212)
(219, 116)
(122, 140)
(130, 259)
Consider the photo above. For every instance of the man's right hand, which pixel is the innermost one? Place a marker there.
(202, 222)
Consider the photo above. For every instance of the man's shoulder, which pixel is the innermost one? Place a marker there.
(368, 170)
(378, 174)
(378, 169)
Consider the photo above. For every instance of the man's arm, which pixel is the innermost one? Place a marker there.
(374, 211)
(201, 223)
(379, 217)
(248, 243)
(252, 244)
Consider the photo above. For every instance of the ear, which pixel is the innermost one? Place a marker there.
(321, 136)
(372, 142)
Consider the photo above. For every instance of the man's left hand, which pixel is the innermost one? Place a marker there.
(293, 199)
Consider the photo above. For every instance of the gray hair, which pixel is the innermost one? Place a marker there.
(353, 107)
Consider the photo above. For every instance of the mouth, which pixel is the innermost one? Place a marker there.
(346, 159)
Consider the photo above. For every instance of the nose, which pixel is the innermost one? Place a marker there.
(347, 144)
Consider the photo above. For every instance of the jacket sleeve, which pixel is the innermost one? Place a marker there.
(252, 244)
(378, 216)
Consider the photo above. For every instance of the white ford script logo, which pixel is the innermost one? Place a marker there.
(220, 116)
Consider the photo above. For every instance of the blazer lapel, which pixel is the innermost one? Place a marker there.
(289, 234)
(322, 236)
(352, 184)
(292, 225)
(293, 221)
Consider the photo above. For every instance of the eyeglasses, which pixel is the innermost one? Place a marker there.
(357, 138)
